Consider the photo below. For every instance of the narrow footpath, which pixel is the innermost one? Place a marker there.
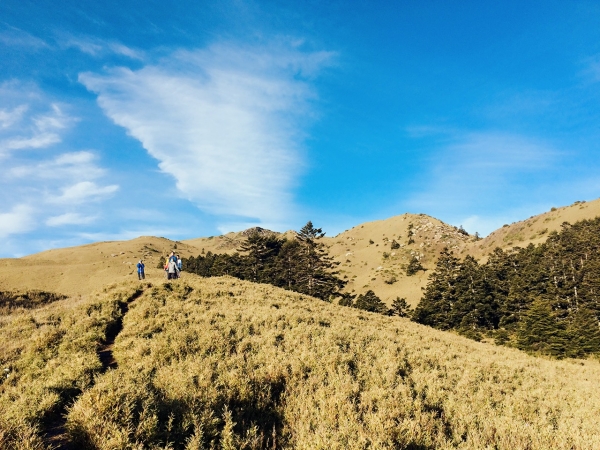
(56, 437)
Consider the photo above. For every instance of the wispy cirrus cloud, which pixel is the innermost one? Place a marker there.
(53, 187)
(15, 37)
(8, 117)
(98, 47)
(65, 166)
(40, 130)
(69, 219)
(84, 191)
(225, 122)
(474, 171)
(20, 219)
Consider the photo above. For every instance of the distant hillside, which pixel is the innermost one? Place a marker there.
(533, 230)
(222, 363)
(366, 266)
(368, 260)
(79, 270)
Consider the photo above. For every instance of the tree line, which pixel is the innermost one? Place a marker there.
(542, 298)
(301, 264)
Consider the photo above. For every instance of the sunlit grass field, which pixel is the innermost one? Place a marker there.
(226, 364)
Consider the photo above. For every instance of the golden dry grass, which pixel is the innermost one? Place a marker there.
(47, 357)
(221, 363)
(84, 269)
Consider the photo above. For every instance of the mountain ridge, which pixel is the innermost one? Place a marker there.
(366, 259)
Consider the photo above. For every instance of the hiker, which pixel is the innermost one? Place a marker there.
(140, 269)
(171, 269)
(179, 264)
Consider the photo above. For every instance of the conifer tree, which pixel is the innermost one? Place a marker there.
(369, 301)
(439, 298)
(583, 334)
(315, 270)
(260, 248)
(286, 264)
(346, 299)
(414, 265)
(401, 308)
(539, 331)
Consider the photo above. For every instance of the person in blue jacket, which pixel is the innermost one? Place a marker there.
(140, 269)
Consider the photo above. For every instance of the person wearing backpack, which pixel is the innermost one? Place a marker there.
(171, 269)
(140, 269)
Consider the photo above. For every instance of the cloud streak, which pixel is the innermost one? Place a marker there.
(224, 122)
(20, 219)
(66, 166)
(84, 191)
(43, 187)
(69, 219)
(477, 171)
(99, 47)
(40, 131)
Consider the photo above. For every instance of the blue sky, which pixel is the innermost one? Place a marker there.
(187, 119)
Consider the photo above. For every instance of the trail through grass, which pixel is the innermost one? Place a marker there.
(221, 363)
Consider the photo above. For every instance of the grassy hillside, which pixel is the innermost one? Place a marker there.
(534, 230)
(80, 270)
(221, 363)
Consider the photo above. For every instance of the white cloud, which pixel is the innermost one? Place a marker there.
(18, 221)
(41, 140)
(478, 171)
(14, 37)
(69, 219)
(67, 166)
(56, 120)
(224, 122)
(84, 191)
(41, 130)
(98, 47)
(9, 117)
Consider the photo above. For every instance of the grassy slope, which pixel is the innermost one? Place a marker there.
(533, 230)
(221, 363)
(48, 357)
(80, 270)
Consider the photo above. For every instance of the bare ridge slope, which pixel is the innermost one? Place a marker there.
(534, 230)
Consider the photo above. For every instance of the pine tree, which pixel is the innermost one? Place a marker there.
(437, 303)
(583, 334)
(370, 302)
(260, 248)
(286, 264)
(552, 288)
(315, 269)
(401, 308)
(475, 306)
(414, 265)
(540, 332)
(346, 299)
